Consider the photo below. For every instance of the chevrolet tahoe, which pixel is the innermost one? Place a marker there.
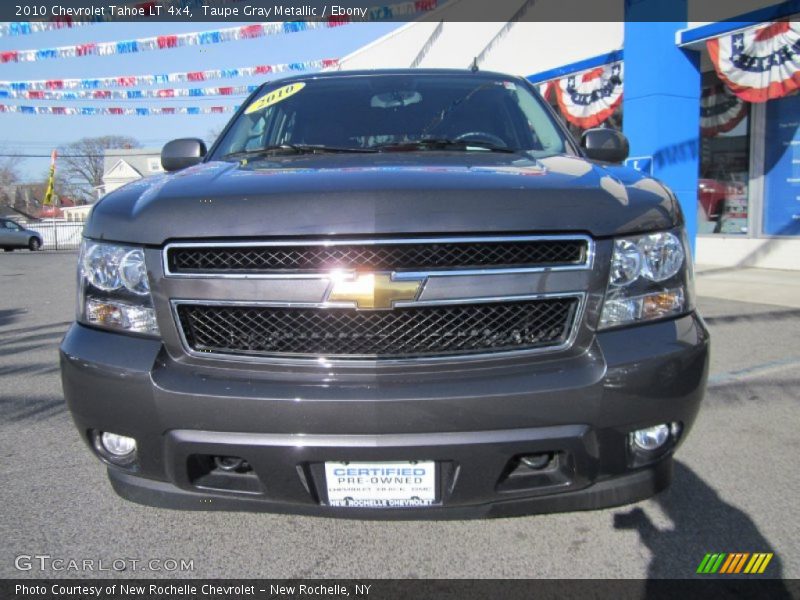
(388, 294)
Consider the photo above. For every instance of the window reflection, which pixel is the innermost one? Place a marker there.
(723, 192)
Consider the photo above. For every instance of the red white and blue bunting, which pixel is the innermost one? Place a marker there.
(128, 81)
(200, 38)
(720, 110)
(545, 89)
(761, 63)
(115, 111)
(587, 99)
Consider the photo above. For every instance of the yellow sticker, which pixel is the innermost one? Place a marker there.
(275, 96)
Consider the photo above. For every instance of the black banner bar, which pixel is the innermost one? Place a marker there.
(221, 11)
(718, 588)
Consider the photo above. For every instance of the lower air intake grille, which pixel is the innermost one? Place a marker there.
(408, 332)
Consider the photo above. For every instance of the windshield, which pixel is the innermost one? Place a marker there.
(431, 112)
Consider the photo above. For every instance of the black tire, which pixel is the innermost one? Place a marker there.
(8, 249)
(34, 244)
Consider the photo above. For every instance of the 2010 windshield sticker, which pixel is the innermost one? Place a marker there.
(275, 96)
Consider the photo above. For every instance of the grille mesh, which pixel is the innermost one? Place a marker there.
(377, 257)
(399, 333)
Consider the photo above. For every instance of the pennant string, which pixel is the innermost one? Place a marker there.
(116, 111)
(129, 81)
(229, 34)
(104, 94)
(144, 9)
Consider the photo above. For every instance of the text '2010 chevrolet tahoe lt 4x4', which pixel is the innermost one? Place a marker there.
(388, 294)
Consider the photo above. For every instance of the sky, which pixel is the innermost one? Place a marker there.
(39, 134)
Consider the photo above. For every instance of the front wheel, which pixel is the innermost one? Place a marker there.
(34, 244)
(8, 249)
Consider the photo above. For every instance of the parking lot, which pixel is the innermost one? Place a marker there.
(735, 490)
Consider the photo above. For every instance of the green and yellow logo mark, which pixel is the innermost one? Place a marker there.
(734, 563)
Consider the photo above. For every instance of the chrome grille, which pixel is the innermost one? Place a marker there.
(405, 332)
(394, 255)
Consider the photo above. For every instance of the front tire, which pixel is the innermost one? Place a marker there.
(34, 244)
(8, 249)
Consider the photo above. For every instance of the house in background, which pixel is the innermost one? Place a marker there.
(123, 166)
(77, 213)
(22, 200)
(9, 212)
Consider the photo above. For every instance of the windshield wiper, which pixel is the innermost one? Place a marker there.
(444, 144)
(294, 149)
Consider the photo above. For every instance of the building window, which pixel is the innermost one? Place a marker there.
(782, 167)
(723, 186)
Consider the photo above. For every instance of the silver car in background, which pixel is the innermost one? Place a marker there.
(13, 235)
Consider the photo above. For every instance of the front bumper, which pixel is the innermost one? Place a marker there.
(473, 423)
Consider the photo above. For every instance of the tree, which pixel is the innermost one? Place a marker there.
(212, 135)
(9, 174)
(80, 164)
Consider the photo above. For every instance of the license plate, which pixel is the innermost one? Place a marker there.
(381, 484)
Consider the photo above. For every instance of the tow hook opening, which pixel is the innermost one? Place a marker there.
(537, 470)
(223, 473)
(232, 463)
(537, 461)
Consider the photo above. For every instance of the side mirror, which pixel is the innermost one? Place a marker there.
(181, 153)
(606, 145)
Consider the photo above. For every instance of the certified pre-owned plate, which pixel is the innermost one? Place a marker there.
(381, 484)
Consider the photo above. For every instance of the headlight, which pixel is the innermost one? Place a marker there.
(114, 290)
(100, 264)
(133, 272)
(663, 256)
(626, 263)
(650, 278)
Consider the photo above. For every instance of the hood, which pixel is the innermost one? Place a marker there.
(387, 193)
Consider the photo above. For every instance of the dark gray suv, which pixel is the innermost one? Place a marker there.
(392, 294)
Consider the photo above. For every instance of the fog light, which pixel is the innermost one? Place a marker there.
(651, 438)
(119, 450)
(118, 445)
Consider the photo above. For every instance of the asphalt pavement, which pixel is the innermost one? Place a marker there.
(735, 489)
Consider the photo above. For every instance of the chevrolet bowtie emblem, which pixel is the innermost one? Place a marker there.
(374, 290)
